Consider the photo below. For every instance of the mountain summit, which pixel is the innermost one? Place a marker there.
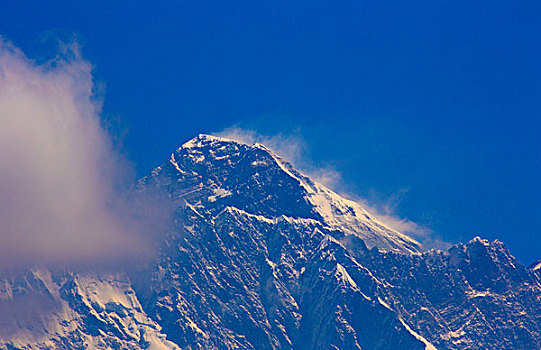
(225, 173)
(262, 257)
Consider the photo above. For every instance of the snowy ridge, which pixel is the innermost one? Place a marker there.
(428, 345)
(261, 257)
(325, 205)
(347, 215)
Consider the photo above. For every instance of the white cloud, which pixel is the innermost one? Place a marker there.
(59, 173)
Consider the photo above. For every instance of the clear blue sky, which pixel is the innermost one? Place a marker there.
(439, 98)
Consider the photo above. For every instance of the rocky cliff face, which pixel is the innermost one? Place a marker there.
(262, 257)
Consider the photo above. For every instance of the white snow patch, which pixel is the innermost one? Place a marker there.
(195, 328)
(219, 193)
(259, 163)
(175, 164)
(235, 210)
(345, 278)
(428, 345)
(479, 294)
(481, 240)
(271, 264)
(382, 302)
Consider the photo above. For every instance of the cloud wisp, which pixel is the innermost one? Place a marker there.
(385, 211)
(293, 148)
(61, 180)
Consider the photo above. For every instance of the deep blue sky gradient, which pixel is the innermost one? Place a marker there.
(438, 100)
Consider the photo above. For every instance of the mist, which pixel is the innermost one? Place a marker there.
(64, 195)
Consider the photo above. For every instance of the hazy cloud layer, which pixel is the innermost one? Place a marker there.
(60, 178)
(293, 148)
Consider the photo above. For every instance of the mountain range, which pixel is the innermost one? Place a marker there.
(259, 256)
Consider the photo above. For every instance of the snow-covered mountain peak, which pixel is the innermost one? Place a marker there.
(259, 256)
(214, 172)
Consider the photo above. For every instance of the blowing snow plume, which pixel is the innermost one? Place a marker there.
(292, 147)
(59, 173)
